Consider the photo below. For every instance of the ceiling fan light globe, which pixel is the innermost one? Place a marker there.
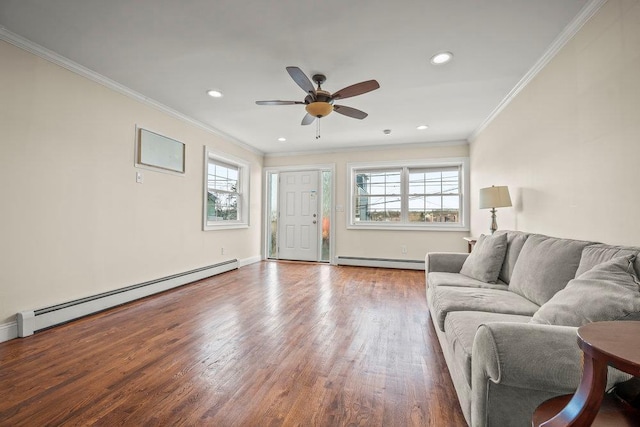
(319, 109)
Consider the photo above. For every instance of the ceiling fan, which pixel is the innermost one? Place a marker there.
(320, 103)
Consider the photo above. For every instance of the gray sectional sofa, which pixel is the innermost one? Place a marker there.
(506, 317)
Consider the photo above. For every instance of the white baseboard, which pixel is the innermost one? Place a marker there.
(251, 260)
(404, 264)
(30, 321)
(8, 331)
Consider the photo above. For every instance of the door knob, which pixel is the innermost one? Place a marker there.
(314, 221)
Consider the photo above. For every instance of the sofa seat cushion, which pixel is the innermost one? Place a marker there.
(449, 299)
(460, 328)
(485, 261)
(436, 279)
(597, 254)
(545, 265)
(607, 292)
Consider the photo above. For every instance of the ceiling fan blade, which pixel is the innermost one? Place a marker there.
(307, 120)
(356, 89)
(301, 79)
(350, 112)
(278, 102)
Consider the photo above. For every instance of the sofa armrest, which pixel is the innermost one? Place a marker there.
(539, 357)
(543, 359)
(445, 262)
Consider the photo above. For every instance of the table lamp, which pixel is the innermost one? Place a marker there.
(494, 197)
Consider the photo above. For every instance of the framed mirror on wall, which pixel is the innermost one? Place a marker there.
(155, 151)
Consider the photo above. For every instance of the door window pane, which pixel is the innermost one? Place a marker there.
(326, 216)
(273, 215)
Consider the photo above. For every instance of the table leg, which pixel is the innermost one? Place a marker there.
(584, 406)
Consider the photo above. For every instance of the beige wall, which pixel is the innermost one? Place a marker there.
(381, 243)
(75, 223)
(568, 146)
(74, 220)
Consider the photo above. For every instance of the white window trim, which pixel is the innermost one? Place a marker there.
(462, 162)
(244, 177)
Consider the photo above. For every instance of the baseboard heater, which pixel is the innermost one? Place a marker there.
(405, 264)
(36, 320)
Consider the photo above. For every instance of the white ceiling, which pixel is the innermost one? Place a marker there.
(174, 51)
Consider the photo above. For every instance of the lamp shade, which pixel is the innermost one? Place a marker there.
(495, 197)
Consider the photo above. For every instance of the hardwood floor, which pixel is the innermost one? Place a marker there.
(270, 344)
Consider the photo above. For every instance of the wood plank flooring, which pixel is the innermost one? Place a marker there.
(270, 344)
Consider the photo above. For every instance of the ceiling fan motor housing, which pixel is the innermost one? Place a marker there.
(319, 79)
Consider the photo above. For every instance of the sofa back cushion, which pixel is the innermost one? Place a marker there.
(485, 261)
(545, 266)
(609, 291)
(515, 241)
(597, 254)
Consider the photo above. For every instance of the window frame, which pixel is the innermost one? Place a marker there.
(244, 177)
(405, 166)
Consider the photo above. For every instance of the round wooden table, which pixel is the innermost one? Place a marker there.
(604, 344)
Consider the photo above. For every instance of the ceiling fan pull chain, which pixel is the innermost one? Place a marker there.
(318, 129)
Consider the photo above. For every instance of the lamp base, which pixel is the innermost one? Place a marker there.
(494, 224)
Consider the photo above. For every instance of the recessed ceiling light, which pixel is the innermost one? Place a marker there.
(214, 93)
(441, 58)
(422, 127)
(282, 139)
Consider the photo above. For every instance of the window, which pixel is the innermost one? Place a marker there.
(417, 194)
(226, 203)
(222, 191)
(379, 195)
(434, 195)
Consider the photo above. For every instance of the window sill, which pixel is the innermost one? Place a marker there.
(213, 227)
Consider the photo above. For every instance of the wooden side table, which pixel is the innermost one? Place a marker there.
(471, 241)
(604, 344)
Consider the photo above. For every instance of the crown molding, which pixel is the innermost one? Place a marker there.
(55, 58)
(567, 34)
(368, 148)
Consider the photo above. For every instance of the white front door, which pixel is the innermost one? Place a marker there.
(298, 222)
